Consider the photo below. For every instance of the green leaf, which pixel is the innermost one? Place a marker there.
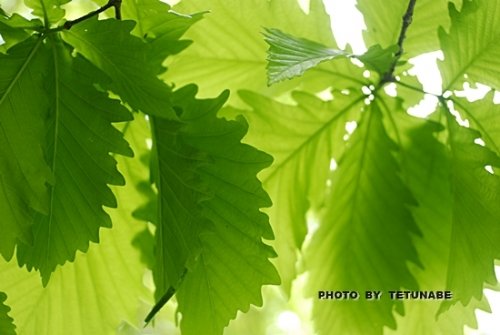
(475, 237)
(124, 58)
(426, 170)
(302, 139)
(384, 23)
(215, 65)
(472, 49)
(208, 215)
(12, 29)
(290, 56)
(23, 171)
(484, 116)
(364, 239)
(378, 59)
(49, 10)
(160, 26)
(102, 287)
(7, 326)
(79, 139)
(178, 218)
(233, 263)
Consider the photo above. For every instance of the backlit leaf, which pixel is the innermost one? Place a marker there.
(48, 10)
(384, 20)
(102, 287)
(472, 47)
(426, 164)
(215, 65)
(364, 239)
(23, 170)
(79, 139)
(124, 58)
(379, 59)
(303, 140)
(290, 56)
(6, 323)
(233, 262)
(475, 237)
(160, 26)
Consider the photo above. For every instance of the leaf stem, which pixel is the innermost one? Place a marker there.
(407, 19)
(68, 24)
(417, 89)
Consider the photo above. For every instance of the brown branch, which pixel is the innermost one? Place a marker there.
(407, 19)
(111, 3)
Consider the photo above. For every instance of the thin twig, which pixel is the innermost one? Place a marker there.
(407, 19)
(111, 3)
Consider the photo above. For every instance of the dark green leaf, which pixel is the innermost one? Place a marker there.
(101, 288)
(233, 263)
(124, 58)
(7, 326)
(79, 139)
(12, 29)
(160, 26)
(23, 170)
(211, 223)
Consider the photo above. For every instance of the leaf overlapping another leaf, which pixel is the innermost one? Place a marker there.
(12, 29)
(161, 27)
(215, 65)
(475, 236)
(102, 287)
(302, 139)
(426, 170)
(7, 326)
(364, 239)
(23, 170)
(49, 10)
(123, 57)
(233, 263)
(211, 224)
(79, 139)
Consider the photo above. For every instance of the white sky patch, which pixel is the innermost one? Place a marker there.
(426, 70)
(366, 90)
(347, 24)
(350, 126)
(149, 143)
(289, 322)
(480, 142)
(473, 93)
(390, 89)
(333, 164)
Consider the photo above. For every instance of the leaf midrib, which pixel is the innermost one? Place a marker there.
(310, 139)
(21, 70)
